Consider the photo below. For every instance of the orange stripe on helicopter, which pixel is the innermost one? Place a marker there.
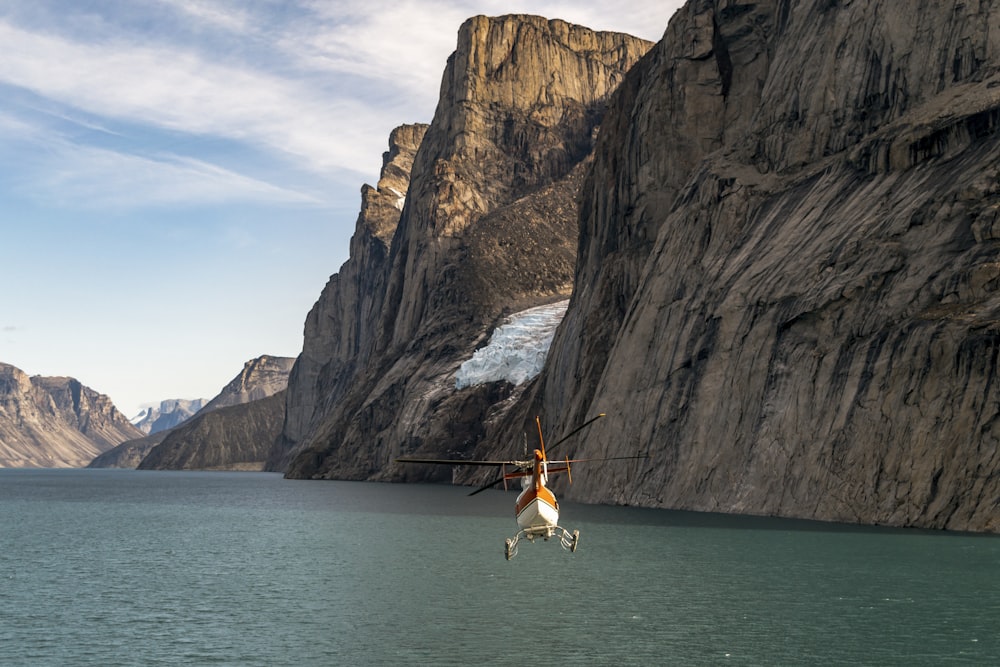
(542, 493)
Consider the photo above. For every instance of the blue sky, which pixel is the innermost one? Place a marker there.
(179, 178)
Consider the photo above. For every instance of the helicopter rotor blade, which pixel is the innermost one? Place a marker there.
(460, 462)
(487, 486)
(573, 432)
(603, 458)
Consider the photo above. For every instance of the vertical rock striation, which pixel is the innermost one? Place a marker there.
(340, 329)
(789, 260)
(489, 226)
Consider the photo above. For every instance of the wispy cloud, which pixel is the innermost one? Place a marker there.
(401, 45)
(100, 179)
(214, 14)
(53, 167)
(182, 91)
(166, 179)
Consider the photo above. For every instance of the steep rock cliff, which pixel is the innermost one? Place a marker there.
(55, 422)
(339, 331)
(488, 227)
(788, 273)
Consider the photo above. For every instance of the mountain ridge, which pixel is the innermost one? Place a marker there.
(55, 422)
(168, 414)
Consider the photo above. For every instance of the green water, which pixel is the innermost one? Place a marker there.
(104, 567)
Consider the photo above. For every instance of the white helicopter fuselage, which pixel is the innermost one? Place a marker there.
(537, 509)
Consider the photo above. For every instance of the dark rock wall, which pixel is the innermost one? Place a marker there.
(340, 330)
(793, 307)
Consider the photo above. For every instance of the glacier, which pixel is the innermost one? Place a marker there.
(517, 349)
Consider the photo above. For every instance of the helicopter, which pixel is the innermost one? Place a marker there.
(536, 508)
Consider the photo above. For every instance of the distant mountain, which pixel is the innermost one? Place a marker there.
(55, 422)
(260, 378)
(230, 439)
(234, 437)
(171, 412)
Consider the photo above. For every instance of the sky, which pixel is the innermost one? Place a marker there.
(180, 178)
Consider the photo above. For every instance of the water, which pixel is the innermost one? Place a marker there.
(111, 567)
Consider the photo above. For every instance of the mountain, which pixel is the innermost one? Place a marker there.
(488, 228)
(785, 265)
(261, 377)
(55, 422)
(224, 440)
(170, 413)
(233, 437)
(340, 329)
(786, 288)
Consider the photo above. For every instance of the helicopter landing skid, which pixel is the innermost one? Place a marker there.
(567, 540)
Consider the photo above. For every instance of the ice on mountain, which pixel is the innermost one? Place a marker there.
(400, 198)
(517, 349)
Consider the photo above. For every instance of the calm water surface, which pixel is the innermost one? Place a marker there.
(109, 567)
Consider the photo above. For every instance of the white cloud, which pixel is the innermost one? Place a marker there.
(16, 127)
(106, 179)
(182, 91)
(404, 44)
(213, 14)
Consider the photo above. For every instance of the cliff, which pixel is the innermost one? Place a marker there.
(55, 422)
(339, 331)
(261, 377)
(787, 282)
(488, 227)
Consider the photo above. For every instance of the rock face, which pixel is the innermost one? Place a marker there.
(787, 287)
(169, 414)
(261, 377)
(233, 438)
(488, 227)
(340, 329)
(55, 422)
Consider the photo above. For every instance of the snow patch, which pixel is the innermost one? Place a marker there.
(517, 349)
(400, 198)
